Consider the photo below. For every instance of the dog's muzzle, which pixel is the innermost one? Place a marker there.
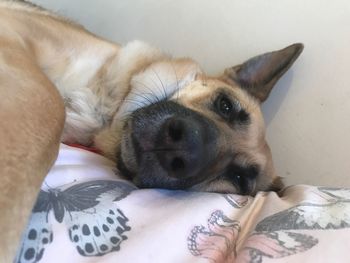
(172, 146)
(182, 144)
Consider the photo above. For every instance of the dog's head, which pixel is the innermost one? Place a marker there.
(206, 134)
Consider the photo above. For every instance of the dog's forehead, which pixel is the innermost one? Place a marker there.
(201, 87)
(205, 89)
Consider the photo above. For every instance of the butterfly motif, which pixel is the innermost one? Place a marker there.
(217, 241)
(274, 236)
(333, 214)
(277, 244)
(95, 225)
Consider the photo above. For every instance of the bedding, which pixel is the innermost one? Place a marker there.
(84, 213)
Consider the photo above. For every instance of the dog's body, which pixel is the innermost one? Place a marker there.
(164, 122)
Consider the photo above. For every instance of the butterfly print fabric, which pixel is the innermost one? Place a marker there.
(277, 236)
(85, 214)
(95, 224)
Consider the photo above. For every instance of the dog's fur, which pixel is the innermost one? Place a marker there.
(162, 119)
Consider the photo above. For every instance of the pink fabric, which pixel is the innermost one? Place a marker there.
(85, 214)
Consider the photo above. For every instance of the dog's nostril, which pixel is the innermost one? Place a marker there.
(175, 130)
(177, 164)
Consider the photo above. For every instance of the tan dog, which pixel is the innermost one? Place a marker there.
(162, 119)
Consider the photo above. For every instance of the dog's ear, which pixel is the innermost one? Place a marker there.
(259, 74)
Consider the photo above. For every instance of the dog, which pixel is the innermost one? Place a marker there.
(161, 119)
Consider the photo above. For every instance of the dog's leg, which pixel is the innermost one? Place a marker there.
(32, 119)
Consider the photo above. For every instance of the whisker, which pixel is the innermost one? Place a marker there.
(157, 86)
(47, 185)
(161, 82)
(135, 102)
(177, 83)
(150, 90)
(142, 96)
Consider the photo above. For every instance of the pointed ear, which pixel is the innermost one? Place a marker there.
(259, 74)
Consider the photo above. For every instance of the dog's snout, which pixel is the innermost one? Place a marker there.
(182, 133)
(175, 129)
(180, 144)
(173, 145)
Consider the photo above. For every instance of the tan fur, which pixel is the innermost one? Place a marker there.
(62, 83)
(32, 117)
(31, 109)
(39, 50)
(198, 95)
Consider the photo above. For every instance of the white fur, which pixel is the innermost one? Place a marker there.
(158, 82)
(82, 114)
(90, 102)
(134, 76)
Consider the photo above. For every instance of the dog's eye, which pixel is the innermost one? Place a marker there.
(241, 182)
(230, 110)
(224, 106)
(242, 177)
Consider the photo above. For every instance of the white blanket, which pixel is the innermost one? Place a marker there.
(85, 214)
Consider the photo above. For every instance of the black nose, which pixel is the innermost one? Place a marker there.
(181, 143)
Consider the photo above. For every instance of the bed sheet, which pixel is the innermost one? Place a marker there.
(84, 213)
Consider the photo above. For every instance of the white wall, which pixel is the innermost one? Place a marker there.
(308, 114)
